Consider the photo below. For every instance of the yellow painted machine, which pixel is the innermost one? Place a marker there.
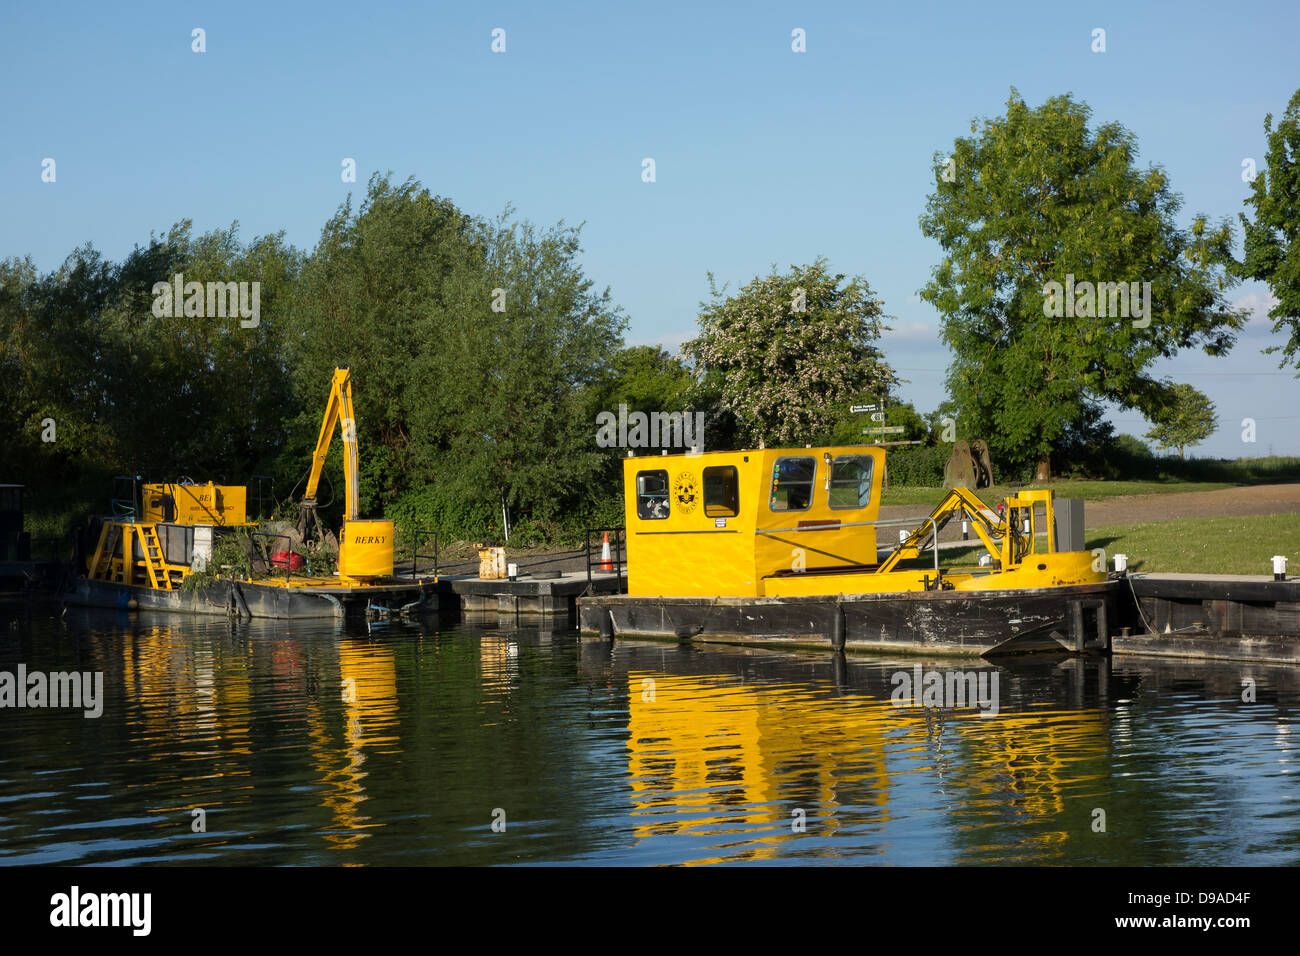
(365, 545)
(144, 552)
(223, 506)
(787, 522)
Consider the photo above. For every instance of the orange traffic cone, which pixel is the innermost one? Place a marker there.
(606, 562)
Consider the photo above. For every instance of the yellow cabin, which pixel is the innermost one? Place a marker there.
(720, 522)
(802, 522)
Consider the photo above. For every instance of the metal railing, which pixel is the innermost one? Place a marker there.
(262, 497)
(124, 509)
(618, 548)
(417, 536)
(884, 522)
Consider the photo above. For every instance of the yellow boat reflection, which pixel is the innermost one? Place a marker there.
(731, 762)
(712, 758)
(369, 691)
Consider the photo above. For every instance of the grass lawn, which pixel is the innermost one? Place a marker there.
(1226, 545)
(1229, 545)
(1066, 488)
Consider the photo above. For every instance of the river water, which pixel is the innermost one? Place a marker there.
(324, 744)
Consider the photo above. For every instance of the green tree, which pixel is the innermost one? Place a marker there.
(1038, 198)
(541, 338)
(1271, 250)
(848, 430)
(396, 291)
(789, 351)
(203, 396)
(1186, 419)
(646, 378)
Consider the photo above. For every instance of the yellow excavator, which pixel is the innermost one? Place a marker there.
(365, 545)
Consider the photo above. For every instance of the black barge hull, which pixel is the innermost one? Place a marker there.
(249, 599)
(1075, 619)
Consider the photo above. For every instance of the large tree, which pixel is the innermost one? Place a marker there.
(1271, 250)
(788, 351)
(542, 336)
(394, 290)
(472, 344)
(1036, 198)
(1187, 420)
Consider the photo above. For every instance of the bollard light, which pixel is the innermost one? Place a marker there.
(902, 535)
(1279, 567)
(965, 530)
(1121, 563)
(512, 571)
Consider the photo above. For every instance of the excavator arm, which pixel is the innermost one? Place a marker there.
(337, 409)
(990, 528)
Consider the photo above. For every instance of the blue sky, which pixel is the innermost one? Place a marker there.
(763, 156)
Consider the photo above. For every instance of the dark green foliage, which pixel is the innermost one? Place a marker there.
(1271, 250)
(454, 517)
(920, 465)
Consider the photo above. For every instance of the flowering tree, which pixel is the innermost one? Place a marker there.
(790, 350)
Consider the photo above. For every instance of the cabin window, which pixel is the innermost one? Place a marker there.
(850, 481)
(652, 494)
(721, 492)
(792, 483)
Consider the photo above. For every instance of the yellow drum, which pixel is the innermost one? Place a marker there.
(366, 549)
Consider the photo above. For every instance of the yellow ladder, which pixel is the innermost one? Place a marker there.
(154, 564)
(107, 565)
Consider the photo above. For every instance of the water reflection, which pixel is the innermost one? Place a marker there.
(324, 744)
(748, 765)
(367, 677)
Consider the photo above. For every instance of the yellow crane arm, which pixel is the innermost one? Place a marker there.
(338, 409)
(990, 528)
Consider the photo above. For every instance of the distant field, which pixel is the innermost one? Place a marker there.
(1087, 490)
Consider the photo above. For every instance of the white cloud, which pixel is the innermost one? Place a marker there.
(1258, 305)
(913, 331)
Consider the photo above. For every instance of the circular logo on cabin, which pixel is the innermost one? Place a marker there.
(684, 492)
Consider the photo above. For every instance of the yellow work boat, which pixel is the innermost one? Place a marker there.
(781, 545)
(145, 554)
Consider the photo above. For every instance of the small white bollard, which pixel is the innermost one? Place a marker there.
(512, 571)
(902, 535)
(1279, 567)
(965, 530)
(986, 560)
(1121, 563)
